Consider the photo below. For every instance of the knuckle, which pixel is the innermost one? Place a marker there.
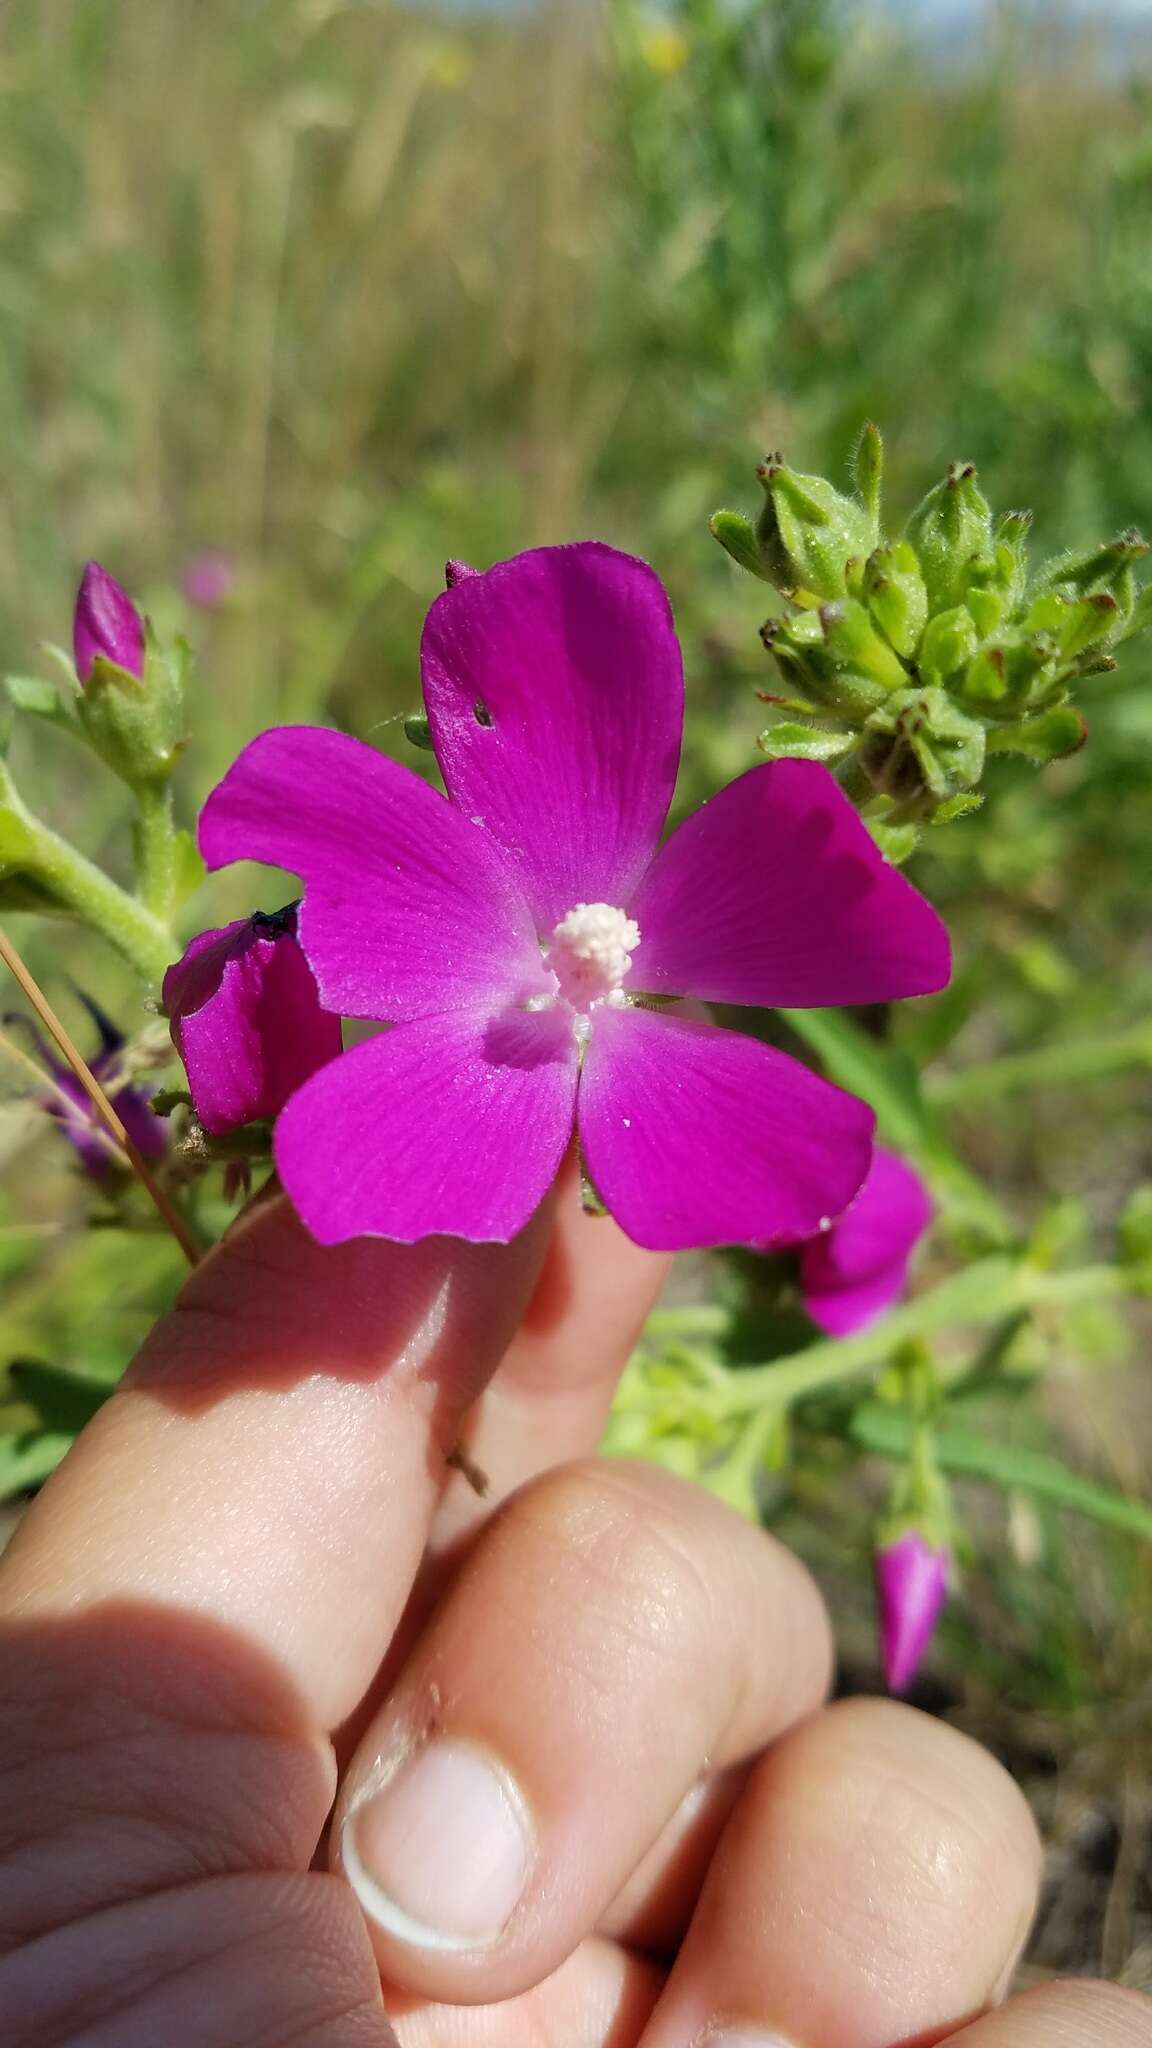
(623, 1549)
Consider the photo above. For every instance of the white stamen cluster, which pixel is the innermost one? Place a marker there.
(591, 952)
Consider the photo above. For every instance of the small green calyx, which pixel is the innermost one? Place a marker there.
(921, 750)
(908, 662)
(808, 533)
(136, 723)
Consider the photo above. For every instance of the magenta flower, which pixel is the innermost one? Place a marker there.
(71, 1107)
(524, 935)
(852, 1272)
(209, 580)
(912, 1585)
(246, 1019)
(106, 624)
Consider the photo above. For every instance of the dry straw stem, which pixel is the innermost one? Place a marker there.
(51, 1022)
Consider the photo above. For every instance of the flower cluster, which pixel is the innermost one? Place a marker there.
(919, 656)
(529, 942)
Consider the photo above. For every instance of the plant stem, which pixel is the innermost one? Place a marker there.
(983, 1293)
(1087, 1059)
(142, 938)
(154, 840)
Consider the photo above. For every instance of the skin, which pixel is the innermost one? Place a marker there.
(256, 1576)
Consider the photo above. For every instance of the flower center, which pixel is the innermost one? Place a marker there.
(590, 952)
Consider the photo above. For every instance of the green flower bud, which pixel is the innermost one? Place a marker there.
(801, 653)
(808, 532)
(894, 592)
(921, 749)
(136, 722)
(852, 639)
(1049, 737)
(1096, 566)
(949, 644)
(951, 529)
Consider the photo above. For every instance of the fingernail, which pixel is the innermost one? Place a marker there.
(438, 1855)
(744, 2037)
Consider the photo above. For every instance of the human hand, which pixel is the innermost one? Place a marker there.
(593, 1719)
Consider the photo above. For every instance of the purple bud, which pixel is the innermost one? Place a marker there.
(208, 580)
(455, 572)
(912, 1585)
(856, 1269)
(246, 1020)
(106, 624)
(71, 1107)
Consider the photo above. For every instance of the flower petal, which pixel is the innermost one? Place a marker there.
(696, 1136)
(841, 1311)
(555, 695)
(775, 893)
(453, 1124)
(408, 909)
(246, 1020)
(852, 1272)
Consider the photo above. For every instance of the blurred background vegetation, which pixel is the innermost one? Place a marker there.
(339, 288)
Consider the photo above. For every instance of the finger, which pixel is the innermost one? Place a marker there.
(1066, 2015)
(655, 1906)
(613, 1631)
(226, 1965)
(211, 1577)
(599, 1998)
(874, 1886)
(550, 1396)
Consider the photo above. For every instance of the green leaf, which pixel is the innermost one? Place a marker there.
(889, 1431)
(64, 1401)
(890, 1082)
(803, 743)
(27, 1460)
(34, 695)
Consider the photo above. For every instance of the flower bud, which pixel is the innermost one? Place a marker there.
(800, 649)
(894, 592)
(855, 1270)
(951, 529)
(854, 644)
(106, 625)
(912, 1578)
(808, 532)
(948, 645)
(246, 1020)
(73, 1111)
(921, 749)
(130, 706)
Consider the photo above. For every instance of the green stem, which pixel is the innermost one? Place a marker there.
(96, 900)
(983, 1293)
(154, 841)
(1089, 1059)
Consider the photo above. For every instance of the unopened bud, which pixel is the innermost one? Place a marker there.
(894, 592)
(951, 529)
(808, 532)
(106, 626)
(912, 1578)
(948, 645)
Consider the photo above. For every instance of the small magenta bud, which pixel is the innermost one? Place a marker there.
(106, 625)
(912, 1585)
